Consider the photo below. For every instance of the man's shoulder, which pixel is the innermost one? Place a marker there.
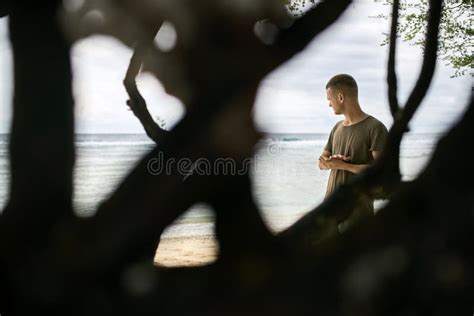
(339, 123)
(336, 126)
(374, 122)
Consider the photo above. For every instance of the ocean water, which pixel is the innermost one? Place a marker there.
(286, 181)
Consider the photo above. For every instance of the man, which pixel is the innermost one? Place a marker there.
(354, 142)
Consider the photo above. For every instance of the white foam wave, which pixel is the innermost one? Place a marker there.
(114, 143)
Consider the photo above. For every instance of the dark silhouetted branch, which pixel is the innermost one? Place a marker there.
(391, 71)
(136, 102)
(294, 39)
(41, 147)
(41, 139)
(429, 62)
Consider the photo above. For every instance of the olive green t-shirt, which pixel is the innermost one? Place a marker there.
(356, 141)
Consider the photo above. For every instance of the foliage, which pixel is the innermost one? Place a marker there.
(456, 30)
(297, 6)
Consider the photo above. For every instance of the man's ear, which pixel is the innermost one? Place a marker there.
(340, 97)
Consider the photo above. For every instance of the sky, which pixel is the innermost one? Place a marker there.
(292, 99)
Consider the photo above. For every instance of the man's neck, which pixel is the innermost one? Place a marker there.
(354, 115)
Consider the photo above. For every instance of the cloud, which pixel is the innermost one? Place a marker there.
(353, 46)
(6, 79)
(291, 99)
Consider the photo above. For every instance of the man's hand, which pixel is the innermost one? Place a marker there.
(332, 162)
(339, 162)
(323, 165)
(340, 157)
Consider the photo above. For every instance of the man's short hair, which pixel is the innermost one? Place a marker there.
(343, 83)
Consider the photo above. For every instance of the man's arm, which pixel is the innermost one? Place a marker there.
(322, 160)
(376, 154)
(338, 164)
(342, 165)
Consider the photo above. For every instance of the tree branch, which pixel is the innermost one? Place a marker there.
(230, 219)
(294, 39)
(429, 62)
(391, 73)
(41, 139)
(137, 103)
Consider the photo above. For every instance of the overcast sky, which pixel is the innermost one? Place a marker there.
(291, 99)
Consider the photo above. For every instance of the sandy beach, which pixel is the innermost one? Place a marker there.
(186, 251)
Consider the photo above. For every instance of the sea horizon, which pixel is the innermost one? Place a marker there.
(286, 185)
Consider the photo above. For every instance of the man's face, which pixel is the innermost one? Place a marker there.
(334, 101)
